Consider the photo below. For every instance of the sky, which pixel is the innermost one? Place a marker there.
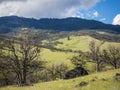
(106, 11)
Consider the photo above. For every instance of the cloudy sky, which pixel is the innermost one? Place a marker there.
(107, 11)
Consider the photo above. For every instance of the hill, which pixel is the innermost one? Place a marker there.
(81, 43)
(63, 49)
(58, 49)
(9, 23)
(97, 81)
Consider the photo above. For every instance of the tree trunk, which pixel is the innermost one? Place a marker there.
(115, 66)
(115, 63)
(97, 67)
(24, 73)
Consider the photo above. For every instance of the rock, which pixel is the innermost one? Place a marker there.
(76, 72)
(117, 76)
(83, 83)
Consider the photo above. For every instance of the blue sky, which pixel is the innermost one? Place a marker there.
(107, 11)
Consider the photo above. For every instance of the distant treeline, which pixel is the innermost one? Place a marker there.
(10, 23)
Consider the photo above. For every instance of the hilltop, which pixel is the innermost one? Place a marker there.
(10, 23)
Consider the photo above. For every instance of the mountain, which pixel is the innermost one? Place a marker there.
(8, 23)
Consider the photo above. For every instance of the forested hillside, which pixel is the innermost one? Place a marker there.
(10, 23)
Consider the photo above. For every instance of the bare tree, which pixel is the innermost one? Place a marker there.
(112, 56)
(55, 71)
(23, 55)
(95, 54)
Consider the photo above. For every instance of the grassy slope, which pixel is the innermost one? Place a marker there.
(54, 57)
(81, 43)
(76, 43)
(98, 84)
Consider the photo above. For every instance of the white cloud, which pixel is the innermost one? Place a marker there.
(1, 1)
(45, 8)
(116, 20)
(102, 19)
(7, 9)
(95, 14)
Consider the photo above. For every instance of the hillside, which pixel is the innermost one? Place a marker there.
(97, 81)
(10, 23)
(81, 43)
(63, 49)
(59, 50)
(75, 43)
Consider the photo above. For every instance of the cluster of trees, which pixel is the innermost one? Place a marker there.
(21, 63)
(109, 56)
(101, 57)
(53, 72)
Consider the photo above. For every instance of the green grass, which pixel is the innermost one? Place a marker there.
(81, 43)
(75, 43)
(56, 57)
(98, 84)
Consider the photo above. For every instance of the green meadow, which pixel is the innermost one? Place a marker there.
(81, 43)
